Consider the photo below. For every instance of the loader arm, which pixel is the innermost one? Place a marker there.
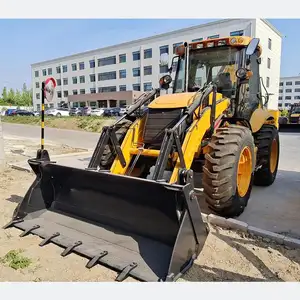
(195, 135)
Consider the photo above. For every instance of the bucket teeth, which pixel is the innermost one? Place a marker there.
(126, 271)
(48, 239)
(11, 223)
(95, 259)
(29, 230)
(71, 248)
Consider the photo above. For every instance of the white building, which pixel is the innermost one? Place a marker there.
(289, 92)
(135, 65)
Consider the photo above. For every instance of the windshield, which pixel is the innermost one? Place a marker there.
(215, 64)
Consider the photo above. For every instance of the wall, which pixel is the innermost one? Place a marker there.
(264, 32)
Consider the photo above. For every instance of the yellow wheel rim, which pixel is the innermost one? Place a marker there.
(274, 156)
(244, 171)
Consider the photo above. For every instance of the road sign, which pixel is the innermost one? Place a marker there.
(50, 85)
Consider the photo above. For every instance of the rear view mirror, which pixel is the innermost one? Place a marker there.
(252, 46)
(50, 85)
(165, 81)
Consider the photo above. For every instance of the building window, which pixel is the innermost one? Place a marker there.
(147, 53)
(92, 77)
(38, 107)
(65, 81)
(297, 82)
(122, 88)
(136, 72)
(288, 90)
(268, 82)
(58, 81)
(270, 44)
(65, 68)
(237, 33)
(92, 64)
(44, 72)
(51, 105)
(148, 70)
(74, 67)
(74, 80)
(289, 83)
(175, 46)
(49, 71)
(280, 91)
(66, 93)
(93, 90)
(122, 58)
(280, 98)
(288, 98)
(37, 96)
(81, 65)
(269, 63)
(107, 89)
(75, 92)
(82, 79)
(58, 94)
(122, 73)
(58, 70)
(279, 104)
(82, 91)
(297, 90)
(287, 104)
(147, 86)
(297, 97)
(106, 61)
(136, 55)
(163, 69)
(197, 40)
(216, 36)
(164, 49)
(37, 85)
(107, 76)
(36, 73)
(136, 87)
(281, 84)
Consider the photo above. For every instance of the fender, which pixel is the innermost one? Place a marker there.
(263, 116)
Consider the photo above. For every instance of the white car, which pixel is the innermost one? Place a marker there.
(57, 112)
(97, 112)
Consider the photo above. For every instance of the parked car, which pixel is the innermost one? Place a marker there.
(76, 111)
(21, 112)
(9, 111)
(57, 112)
(112, 111)
(86, 111)
(36, 113)
(123, 110)
(97, 112)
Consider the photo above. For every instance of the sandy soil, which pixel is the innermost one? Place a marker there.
(227, 255)
(17, 149)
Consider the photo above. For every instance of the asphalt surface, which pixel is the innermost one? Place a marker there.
(72, 138)
(275, 208)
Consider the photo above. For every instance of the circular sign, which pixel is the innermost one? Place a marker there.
(50, 85)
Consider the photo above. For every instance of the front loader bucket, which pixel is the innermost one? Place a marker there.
(149, 230)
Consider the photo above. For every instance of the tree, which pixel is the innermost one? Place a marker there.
(11, 97)
(4, 94)
(284, 113)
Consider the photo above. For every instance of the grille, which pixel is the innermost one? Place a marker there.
(157, 121)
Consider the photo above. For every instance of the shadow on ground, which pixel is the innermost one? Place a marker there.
(14, 199)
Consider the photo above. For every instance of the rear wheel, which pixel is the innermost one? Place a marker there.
(109, 153)
(267, 143)
(228, 170)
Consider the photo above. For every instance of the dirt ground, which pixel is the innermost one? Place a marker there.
(227, 255)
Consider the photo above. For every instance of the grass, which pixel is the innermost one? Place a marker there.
(15, 260)
(91, 124)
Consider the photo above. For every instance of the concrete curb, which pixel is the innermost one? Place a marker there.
(18, 165)
(244, 227)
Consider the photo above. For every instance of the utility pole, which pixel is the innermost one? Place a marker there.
(2, 154)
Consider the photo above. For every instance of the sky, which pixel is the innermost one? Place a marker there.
(33, 40)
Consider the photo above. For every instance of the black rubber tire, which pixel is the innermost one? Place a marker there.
(221, 167)
(109, 153)
(263, 141)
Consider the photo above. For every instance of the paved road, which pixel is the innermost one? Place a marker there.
(72, 138)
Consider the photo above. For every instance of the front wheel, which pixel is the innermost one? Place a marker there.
(228, 170)
(58, 114)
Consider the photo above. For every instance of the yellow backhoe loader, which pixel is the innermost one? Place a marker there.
(134, 208)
